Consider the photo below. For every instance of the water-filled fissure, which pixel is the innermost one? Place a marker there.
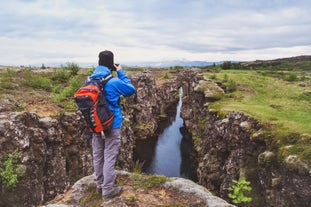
(171, 153)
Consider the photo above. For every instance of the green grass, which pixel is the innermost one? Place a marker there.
(147, 182)
(283, 107)
(270, 100)
(91, 198)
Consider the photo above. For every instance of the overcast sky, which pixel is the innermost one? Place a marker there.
(35, 32)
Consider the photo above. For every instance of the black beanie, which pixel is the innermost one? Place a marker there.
(106, 59)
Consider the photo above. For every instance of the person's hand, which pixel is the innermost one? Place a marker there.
(118, 66)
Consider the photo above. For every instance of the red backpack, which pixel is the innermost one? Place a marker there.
(93, 105)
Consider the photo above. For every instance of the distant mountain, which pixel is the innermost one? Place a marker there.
(279, 60)
(294, 59)
(184, 63)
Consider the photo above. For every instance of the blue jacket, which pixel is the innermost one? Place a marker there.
(113, 89)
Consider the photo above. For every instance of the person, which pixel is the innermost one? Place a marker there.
(105, 150)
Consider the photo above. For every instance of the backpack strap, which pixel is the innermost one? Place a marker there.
(106, 79)
(103, 81)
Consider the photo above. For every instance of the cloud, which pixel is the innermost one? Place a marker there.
(34, 31)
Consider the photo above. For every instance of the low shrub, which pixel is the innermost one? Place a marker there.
(231, 86)
(213, 76)
(238, 190)
(9, 172)
(73, 68)
(6, 83)
(67, 92)
(166, 76)
(60, 75)
(6, 79)
(36, 81)
(292, 77)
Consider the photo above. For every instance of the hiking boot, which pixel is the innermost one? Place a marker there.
(115, 192)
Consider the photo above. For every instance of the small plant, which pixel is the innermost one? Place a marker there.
(71, 105)
(147, 182)
(57, 88)
(73, 68)
(19, 107)
(213, 76)
(122, 100)
(91, 197)
(225, 78)
(197, 142)
(166, 76)
(291, 77)
(231, 86)
(9, 173)
(130, 199)
(137, 166)
(238, 189)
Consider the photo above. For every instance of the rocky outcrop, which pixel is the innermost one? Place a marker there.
(227, 152)
(53, 155)
(232, 148)
(150, 103)
(234, 145)
(194, 194)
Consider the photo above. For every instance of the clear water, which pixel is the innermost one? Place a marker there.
(167, 158)
(170, 153)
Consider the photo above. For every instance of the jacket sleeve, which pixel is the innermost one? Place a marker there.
(125, 86)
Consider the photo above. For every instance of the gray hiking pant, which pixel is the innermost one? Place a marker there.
(105, 152)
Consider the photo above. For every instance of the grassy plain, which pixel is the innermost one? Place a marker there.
(282, 104)
(269, 99)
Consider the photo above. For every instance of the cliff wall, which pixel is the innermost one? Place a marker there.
(234, 145)
(53, 155)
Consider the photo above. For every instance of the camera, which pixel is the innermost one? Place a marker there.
(114, 68)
